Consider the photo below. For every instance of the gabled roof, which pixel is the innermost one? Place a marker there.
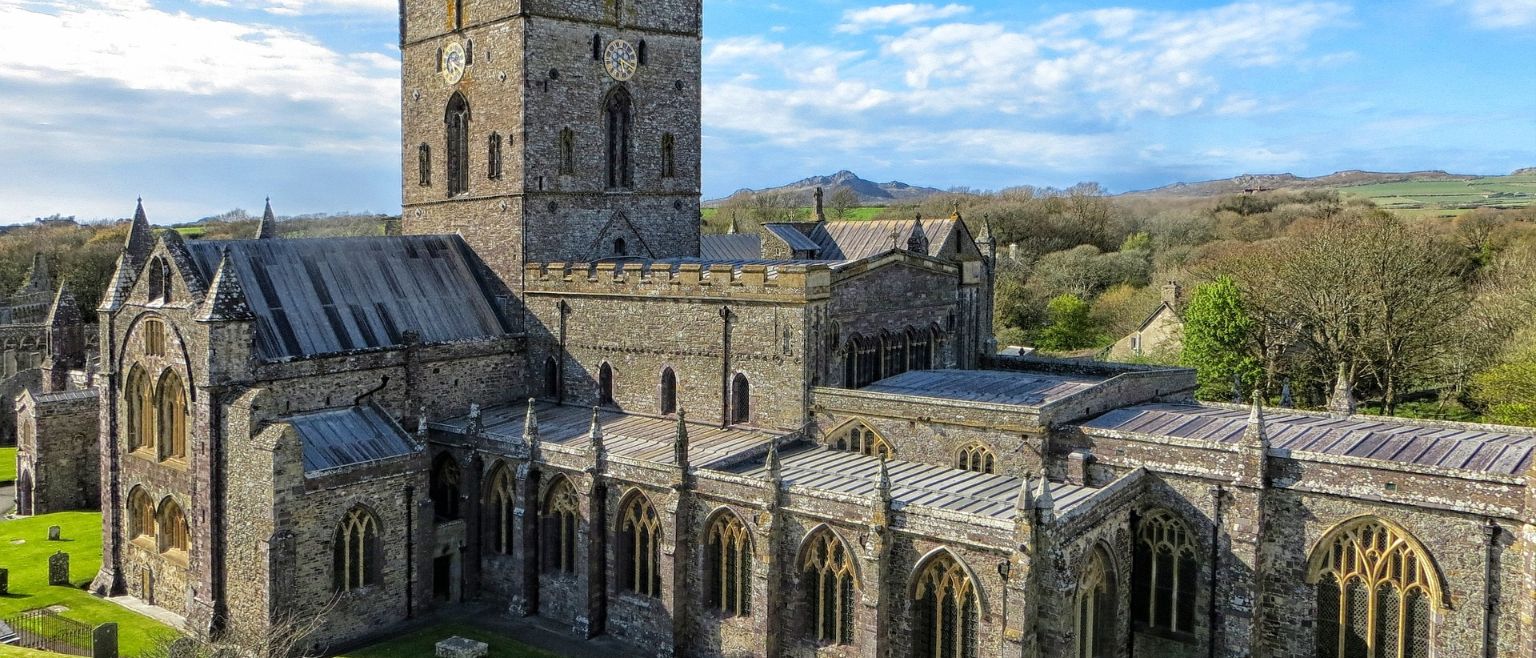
(338, 438)
(333, 295)
(732, 246)
(857, 240)
(792, 237)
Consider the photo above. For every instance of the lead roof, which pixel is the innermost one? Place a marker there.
(338, 438)
(992, 386)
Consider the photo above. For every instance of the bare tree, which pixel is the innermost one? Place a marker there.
(290, 635)
(843, 201)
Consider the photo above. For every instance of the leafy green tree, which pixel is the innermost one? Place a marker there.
(1218, 339)
(1071, 325)
(1508, 391)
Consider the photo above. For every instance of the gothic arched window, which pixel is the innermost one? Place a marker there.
(827, 578)
(945, 610)
(171, 416)
(559, 519)
(139, 396)
(456, 119)
(1163, 573)
(639, 547)
(159, 278)
(605, 384)
(501, 507)
(424, 165)
(567, 152)
(895, 352)
(141, 515)
(864, 357)
(551, 378)
(978, 458)
(355, 551)
(173, 528)
(445, 487)
(153, 332)
(493, 156)
(668, 156)
(920, 349)
(668, 392)
(741, 400)
(1095, 614)
(618, 117)
(1377, 590)
(728, 565)
(855, 436)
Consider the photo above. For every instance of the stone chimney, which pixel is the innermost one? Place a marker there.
(1173, 294)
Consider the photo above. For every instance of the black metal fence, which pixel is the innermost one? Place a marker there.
(45, 630)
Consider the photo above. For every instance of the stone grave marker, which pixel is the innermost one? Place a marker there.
(5, 582)
(53, 533)
(104, 640)
(58, 569)
(460, 647)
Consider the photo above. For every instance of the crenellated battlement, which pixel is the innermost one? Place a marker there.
(787, 281)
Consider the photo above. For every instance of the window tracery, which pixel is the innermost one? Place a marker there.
(1377, 591)
(356, 551)
(1165, 568)
(456, 120)
(640, 547)
(977, 458)
(946, 610)
(855, 436)
(828, 581)
(140, 398)
(172, 524)
(171, 417)
(1095, 614)
(728, 565)
(445, 485)
(502, 503)
(559, 520)
(141, 515)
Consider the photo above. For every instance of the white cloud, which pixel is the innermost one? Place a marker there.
(859, 20)
(303, 7)
(1501, 14)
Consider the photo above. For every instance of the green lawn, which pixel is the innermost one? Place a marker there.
(7, 651)
(7, 465)
(28, 564)
(423, 643)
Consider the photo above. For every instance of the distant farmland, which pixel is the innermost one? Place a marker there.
(1448, 198)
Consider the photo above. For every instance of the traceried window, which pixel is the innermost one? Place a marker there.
(1164, 572)
(862, 362)
(446, 482)
(639, 547)
(139, 396)
(1095, 608)
(945, 610)
(668, 392)
(173, 528)
(858, 437)
(171, 416)
(978, 458)
(424, 165)
(728, 565)
(1377, 591)
(605, 384)
(618, 117)
(920, 349)
(741, 400)
(558, 520)
(567, 152)
(827, 578)
(493, 156)
(501, 505)
(668, 156)
(152, 331)
(456, 121)
(141, 515)
(355, 551)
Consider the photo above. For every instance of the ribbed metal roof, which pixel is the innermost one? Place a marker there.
(791, 236)
(337, 438)
(854, 474)
(635, 437)
(63, 396)
(331, 295)
(1471, 447)
(994, 386)
(847, 241)
(735, 246)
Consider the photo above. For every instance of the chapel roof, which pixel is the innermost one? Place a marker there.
(990, 386)
(351, 436)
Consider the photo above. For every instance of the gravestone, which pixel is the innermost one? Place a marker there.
(58, 569)
(104, 641)
(53, 533)
(5, 582)
(460, 647)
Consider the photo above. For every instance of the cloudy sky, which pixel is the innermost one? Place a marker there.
(206, 105)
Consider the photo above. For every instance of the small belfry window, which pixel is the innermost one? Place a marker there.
(501, 505)
(1377, 591)
(741, 400)
(620, 248)
(618, 116)
(171, 416)
(668, 156)
(605, 385)
(558, 522)
(828, 581)
(567, 152)
(355, 551)
(977, 458)
(424, 165)
(728, 565)
(493, 156)
(945, 611)
(858, 437)
(456, 120)
(639, 547)
(159, 280)
(668, 392)
(1164, 570)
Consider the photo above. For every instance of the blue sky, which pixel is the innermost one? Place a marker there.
(206, 105)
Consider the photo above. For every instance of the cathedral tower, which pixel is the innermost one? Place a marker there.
(549, 131)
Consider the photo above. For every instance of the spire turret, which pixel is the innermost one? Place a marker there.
(918, 241)
(267, 229)
(225, 301)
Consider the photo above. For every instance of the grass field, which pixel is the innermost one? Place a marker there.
(1436, 198)
(7, 465)
(421, 643)
(24, 550)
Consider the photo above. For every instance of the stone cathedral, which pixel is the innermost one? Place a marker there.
(552, 396)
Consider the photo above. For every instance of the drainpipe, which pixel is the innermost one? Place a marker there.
(1217, 493)
(410, 552)
(1489, 579)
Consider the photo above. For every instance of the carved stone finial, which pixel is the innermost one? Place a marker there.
(918, 241)
(680, 441)
(1342, 402)
(775, 469)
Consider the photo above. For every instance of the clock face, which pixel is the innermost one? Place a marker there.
(453, 63)
(620, 60)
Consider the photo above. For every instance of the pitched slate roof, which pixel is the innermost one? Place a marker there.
(337, 438)
(793, 237)
(857, 240)
(734, 246)
(854, 474)
(1472, 447)
(993, 386)
(332, 295)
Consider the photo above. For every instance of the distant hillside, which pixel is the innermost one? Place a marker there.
(1265, 182)
(870, 193)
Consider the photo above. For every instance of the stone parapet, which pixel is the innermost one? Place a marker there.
(785, 282)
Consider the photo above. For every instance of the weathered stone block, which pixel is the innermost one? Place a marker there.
(459, 647)
(5, 582)
(58, 569)
(53, 533)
